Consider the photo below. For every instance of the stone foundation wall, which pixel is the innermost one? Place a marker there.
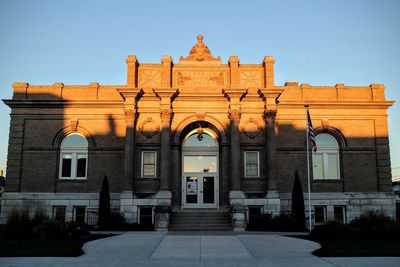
(355, 203)
(46, 202)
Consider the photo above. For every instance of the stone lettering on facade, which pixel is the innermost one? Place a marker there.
(200, 78)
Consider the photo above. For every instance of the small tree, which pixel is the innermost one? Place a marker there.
(104, 204)
(298, 203)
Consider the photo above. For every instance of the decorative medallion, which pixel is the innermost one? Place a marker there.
(149, 128)
(251, 128)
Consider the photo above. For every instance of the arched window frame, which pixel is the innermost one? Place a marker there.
(323, 152)
(77, 155)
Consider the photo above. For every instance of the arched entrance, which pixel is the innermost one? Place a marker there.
(200, 180)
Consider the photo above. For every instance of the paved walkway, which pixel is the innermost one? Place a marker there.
(174, 249)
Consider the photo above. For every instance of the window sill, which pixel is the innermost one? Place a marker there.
(72, 179)
(327, 180)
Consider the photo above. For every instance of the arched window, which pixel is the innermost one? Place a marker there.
(73, 157)
(326, 159)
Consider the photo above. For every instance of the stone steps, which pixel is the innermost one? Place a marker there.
(198, 220)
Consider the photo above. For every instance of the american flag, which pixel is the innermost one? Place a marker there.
(310, 132)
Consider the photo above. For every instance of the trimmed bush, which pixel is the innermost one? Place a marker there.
(369, 226)
(18, 224)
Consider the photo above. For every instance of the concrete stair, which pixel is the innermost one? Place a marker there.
(200, 220)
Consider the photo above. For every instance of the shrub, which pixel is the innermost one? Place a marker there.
(18, 224)
(52, 229)
(280, 222)
(298, 203)
(104, 205)
(39, 217)
(368, 226)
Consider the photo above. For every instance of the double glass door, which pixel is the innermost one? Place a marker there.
(200, 180)
(200, 190)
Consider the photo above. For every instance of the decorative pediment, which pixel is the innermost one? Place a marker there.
(200, 53)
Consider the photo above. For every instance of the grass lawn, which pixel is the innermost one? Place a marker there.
(352, 248)
(45, 248)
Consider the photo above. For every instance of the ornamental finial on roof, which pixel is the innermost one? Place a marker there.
(200, 52)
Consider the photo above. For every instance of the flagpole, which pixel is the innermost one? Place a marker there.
(308, 174)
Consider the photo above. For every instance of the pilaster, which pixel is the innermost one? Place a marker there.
(235, 95)
(166, 96)
(131, 96)
(270, 97)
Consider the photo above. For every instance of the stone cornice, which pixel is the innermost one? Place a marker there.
(61, 103)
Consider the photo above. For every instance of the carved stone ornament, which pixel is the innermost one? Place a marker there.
(200, 52)
(251, 128)
(270, 114)
(235, 115)
(149, 128)
(165, 115)
(74, 125)
(130, 113)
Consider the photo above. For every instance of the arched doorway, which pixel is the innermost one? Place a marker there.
(200, 180)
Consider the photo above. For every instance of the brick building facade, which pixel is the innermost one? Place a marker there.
(197, 134)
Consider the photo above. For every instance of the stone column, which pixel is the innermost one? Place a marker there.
(270, 147)
(235, 95)
(131, 96)
(166, 96)
(234, 117)
(165, 178)
(270, 97)
(129, 150)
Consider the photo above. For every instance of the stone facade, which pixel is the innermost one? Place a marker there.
(161, 103)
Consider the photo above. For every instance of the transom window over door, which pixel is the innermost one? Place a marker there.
(73, 157)
(326, 159)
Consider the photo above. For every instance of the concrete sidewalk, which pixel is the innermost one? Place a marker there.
(173, 249)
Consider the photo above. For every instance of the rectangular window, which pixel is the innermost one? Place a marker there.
(251, 163)
(66, 165)
(149, 159)
(79, 212)
(81, 166)
(59, 213)
(339, 213)
(320, 214)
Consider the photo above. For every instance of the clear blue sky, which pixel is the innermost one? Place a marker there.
(317, 42)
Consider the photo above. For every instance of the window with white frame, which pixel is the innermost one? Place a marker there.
(339, 213)
(251, 164)
(326, 159)
(149, 164)
(320, 214)
(73, 157)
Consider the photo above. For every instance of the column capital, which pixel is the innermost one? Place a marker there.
(235, 115)
(130, 113)
(269, 114)
(166, 115)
